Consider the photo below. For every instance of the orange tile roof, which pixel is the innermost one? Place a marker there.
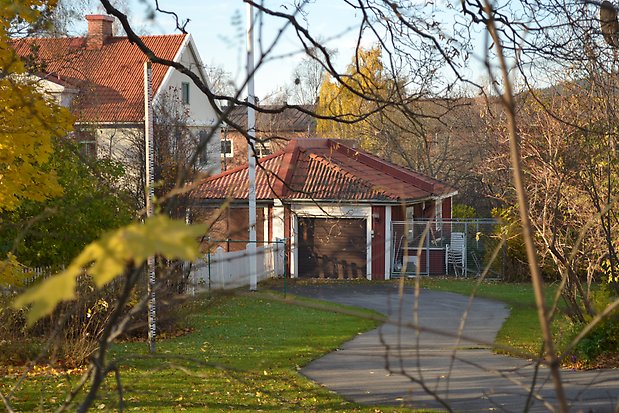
(324, 169)
(110, 78)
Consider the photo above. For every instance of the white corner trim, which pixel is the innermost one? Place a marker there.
(369, 241)
(294, 251)
(388, 242)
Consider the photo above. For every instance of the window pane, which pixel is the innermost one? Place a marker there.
(203, 157)
(88, 149)
(263, 149)
(226, 148)
(185, 92)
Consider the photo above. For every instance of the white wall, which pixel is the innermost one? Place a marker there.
(202, 115)
(62, 95)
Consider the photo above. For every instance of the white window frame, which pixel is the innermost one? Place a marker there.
(225, 154)
(438, 213)
(261, 148)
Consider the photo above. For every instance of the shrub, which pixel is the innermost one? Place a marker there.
(603, 340)
(463, 211)
(71, 331)
(74, 328)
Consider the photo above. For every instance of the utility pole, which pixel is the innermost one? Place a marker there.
(150, 195)
(251, 131)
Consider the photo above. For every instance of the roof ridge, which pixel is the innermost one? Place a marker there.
(51, 39)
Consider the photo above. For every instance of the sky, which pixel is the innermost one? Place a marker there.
(218, 28)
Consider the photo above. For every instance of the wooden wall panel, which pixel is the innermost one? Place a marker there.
(332, 248)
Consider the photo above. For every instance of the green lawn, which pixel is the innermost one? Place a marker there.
(262, 343)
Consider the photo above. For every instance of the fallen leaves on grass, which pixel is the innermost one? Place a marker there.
(40, 371)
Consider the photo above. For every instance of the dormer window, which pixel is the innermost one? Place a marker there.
(262, 149)
(185, 93)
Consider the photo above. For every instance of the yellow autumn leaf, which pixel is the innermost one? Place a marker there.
(106, 259)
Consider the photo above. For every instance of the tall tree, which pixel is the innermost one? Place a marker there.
(307, 79)
(353, 103)
(29, 121)
(432, 134)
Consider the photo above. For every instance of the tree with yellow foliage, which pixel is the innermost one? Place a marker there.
(29, 121)
(370, 104)
(374, 105)
(353, 101)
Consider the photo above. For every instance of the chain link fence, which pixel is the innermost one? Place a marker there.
(460, 247)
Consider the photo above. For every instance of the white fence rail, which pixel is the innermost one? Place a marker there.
(221, 270)
(227, 270)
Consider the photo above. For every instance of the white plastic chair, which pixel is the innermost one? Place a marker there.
(455, 253)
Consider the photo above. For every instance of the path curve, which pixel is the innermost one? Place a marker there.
(373, 369)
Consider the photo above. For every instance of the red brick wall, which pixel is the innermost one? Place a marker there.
(239, 146)
(447, 208)
(232, 225)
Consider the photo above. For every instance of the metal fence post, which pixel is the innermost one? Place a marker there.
(209, 270)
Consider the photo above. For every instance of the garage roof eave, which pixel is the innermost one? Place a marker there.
(235, 202)
(385, 202)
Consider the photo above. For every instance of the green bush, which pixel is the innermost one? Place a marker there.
(463, 211)
(604, 338)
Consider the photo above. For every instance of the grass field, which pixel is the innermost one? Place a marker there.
(244, 355)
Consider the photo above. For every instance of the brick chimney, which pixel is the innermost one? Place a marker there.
(99, 30)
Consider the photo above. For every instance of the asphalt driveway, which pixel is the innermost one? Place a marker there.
(398, 366)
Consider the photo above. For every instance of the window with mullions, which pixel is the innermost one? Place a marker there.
(87, 142)
(262, 149)
(88, 149)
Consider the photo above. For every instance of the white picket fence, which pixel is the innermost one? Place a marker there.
(36, 273)
(227, 270)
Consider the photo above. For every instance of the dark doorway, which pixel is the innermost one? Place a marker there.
(332, 248)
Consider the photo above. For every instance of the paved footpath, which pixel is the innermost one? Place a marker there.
(394, 366)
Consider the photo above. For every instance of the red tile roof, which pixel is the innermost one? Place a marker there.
(324, 169)
(110, 78)
(234, 183)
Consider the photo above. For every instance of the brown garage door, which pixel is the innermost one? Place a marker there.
(332, 248)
